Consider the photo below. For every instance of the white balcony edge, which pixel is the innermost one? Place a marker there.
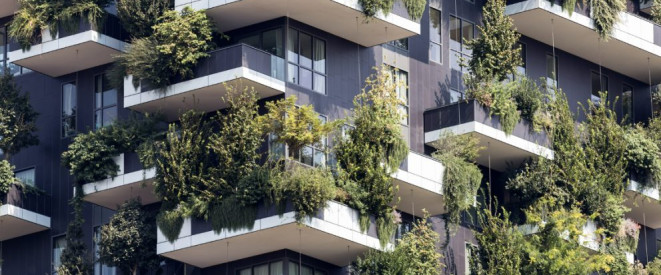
(587, 239)
(391, 18)
(422, 171)
(23, 214)
(643, 39)
(65, 42)
(134, 97)
(652, 193)
(119, 180)
(494, 133)
(339, 220)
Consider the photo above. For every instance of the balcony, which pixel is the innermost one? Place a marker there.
(644, 203)
(420, 181)
(588, 239)
(8, 7)
(634, 39)
(112, 192)
(502, 151)
(333, 236)
(23, 214)
(71, 52)
(238, 65)
(343, 18)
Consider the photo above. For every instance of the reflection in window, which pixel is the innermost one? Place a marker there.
(455, 96)
(627, 103)
(26, 176)
(105, 102)
(551, 72)
(314, 155)
(100, 269)
(435, 42)
(307, 61)
(69, 109)
(59, 243)
(599, 84)
(402, 44)
(461, 31)
(522, 69)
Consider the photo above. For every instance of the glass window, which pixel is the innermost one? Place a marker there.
(455, 96)
(522, 69)
(252, 40)
(274, 268)
(627, 103)
(59, 243)
(261, 270)
(105, 102)
(26, 176)
(304, 270)
(307, 61)
(599, 84)
(435, 42)
(400, 78)
(272, 42)
(69, 109)
(460, 32)
(551, 72)
(314, 155)
(455, 33)
(402, 44)
(100, 269)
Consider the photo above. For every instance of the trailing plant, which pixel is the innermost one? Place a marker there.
(90, 156)
(230, 213)
(642, 155)
(75, 258)
(17, 118)
(605, 14)
(178, 42)
(139, 16)
(656, 11)
(496, 53)
(415, 253)
(35, 16)
(295, 126)
(373, 150)
(628, 235)
(128, 241)
(7, 178)
(308, 188)
(462, 177)
(415, 8)
(372, 7)
(170, 220)
(654, 267)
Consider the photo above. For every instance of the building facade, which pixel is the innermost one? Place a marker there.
(321, 51)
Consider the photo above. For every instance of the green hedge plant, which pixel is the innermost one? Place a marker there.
(139, 16)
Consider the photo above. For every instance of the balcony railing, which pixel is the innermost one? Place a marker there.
(237, 65)
(333, 235)
(469, 117)
(72, 51)
(420, 181)
(23, 213)
(343, 18)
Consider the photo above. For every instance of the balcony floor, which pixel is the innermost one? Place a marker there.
(16, 222)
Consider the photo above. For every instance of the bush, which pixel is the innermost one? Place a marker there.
(372, 7)
(229, 213)
(138, 16)
(528, 97)
(642, 156)
(17, 118)
(309, 189)
(7, 178)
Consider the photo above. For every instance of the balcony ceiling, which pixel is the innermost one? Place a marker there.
(626, 52)
(343, 18)
(644, 210)
(8, 7)
(16, 222)
(110, 195)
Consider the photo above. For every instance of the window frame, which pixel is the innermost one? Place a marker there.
(52, 252)
(75, 115)
(315, 148)
(298, 64)
(103, 77)
(33, 168)
(461, 53)
(556, 59)
(440, 29)
(396, 73)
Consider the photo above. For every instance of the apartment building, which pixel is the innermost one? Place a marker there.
(320, 51)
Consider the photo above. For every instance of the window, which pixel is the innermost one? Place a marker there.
(599, 84)
(627, 104)
(314, 155)
(274, 268)
(468, 255)
(306, 56)
(522, 69)
(59, 243)
(455, 96)
(69, 109)
(100, 269)
(270, 41)
(435, 41)
(304, 270)
(401, 44)
(105, 102)
(460, 32)
(400, 78)
(26, 176)
(551, 72)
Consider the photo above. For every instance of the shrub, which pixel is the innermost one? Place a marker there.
(229, 213)
(309, 189)
(642, 156)
(139, 16)
(528, 97)
(17, 118)
(7, 178)
(372, 7)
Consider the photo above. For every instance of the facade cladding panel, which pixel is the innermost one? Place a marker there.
(347, 64)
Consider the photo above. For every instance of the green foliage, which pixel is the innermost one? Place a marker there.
(372, 7)
(495, 52)
(229, 213)
(17, 118)
(37, 15)
(415, 8)
(170, 220)
(373, 150)
(179, 41)
(656, 11)
(90, 156)
(295, 126)
(605, 14)
(497, 96)
(7, 178)
(654, 267)
(415, 253)
(128, 241)
(461, 177)
(642, 155)
(499, 245)
(75, 257)
(308, 188)
(528, 97)
(138, 16)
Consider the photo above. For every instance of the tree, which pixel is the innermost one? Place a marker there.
(496, 53)
(17, 118)
(75, 258)
(128, 241)
(138, 16)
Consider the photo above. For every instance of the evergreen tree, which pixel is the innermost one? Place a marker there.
(17, 118)
(75, 258)
(495, 52)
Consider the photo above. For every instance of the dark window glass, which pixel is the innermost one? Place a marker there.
(105, 102)
(306, 50)
(59, 243)
(69, 109)
(435, 42)
(307, 61)
(599, 84)
(627, 104)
